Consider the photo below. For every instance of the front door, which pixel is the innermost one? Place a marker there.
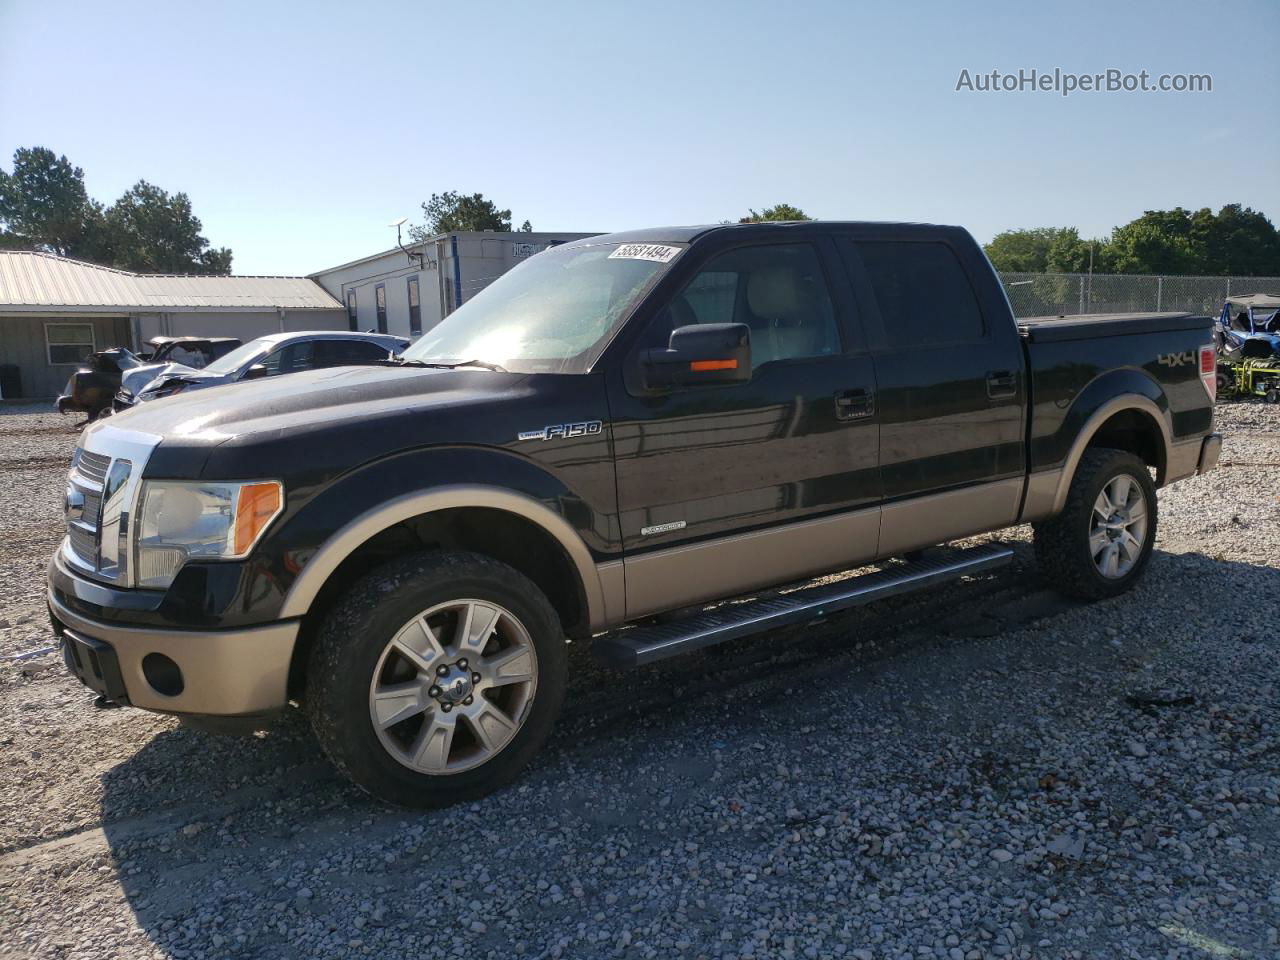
(723, 488)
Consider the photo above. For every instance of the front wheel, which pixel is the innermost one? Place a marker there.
(1100, 544)
(437, 678)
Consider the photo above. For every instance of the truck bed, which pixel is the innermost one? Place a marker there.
(1094, 325)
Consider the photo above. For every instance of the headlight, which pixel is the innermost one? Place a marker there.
(166, 389)
(184, 520)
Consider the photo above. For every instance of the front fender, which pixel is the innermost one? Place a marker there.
(300, 556)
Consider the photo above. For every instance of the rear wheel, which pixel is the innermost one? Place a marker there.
(437, 678)
(1100, 544)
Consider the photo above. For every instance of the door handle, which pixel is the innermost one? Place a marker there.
(1002, 383)
(854, 404)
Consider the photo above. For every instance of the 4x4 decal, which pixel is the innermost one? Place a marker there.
(1176, 359)
(559, 431)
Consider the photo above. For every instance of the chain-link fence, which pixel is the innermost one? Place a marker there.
(1053, 294)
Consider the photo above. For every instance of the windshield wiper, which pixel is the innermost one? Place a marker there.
(484, 364)
(443, 365)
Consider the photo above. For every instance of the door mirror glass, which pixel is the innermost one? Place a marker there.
(701, 353)
(256, 372)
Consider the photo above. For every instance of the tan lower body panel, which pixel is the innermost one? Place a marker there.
(667, 579)
(924, 521)
(1042, 495)
(225, 673)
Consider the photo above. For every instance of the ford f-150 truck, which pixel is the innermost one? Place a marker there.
(625, 426)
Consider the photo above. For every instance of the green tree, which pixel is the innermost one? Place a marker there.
(781, 212)
(1023, 251)
(152, 231)
(1234, 241)
(1068, 253)
(452, 212)
(1237, 241)
(44, 205)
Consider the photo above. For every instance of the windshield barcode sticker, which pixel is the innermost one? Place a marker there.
(656, 252)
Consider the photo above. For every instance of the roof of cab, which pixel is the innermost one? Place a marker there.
(688, 234)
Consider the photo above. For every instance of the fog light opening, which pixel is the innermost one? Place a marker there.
(163, 674)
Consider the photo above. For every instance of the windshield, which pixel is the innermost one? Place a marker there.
(552, 314)
(233, 361)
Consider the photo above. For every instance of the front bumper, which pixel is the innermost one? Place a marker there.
(220, 672)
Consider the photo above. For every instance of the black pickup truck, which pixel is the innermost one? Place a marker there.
(625, 426)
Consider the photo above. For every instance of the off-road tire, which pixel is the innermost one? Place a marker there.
(353, 636)
(1062, 542)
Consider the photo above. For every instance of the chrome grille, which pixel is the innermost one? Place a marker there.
(83, 544)
(102, 496)
(93, 467)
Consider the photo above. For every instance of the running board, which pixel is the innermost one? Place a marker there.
(644, 645)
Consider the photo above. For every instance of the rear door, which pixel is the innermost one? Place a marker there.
(952, 394)
(723, 488)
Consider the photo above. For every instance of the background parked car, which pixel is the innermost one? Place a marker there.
(92, 387)
(194, 353)
(268, 356)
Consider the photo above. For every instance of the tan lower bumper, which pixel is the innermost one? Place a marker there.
(224, 672)
(1210, 452)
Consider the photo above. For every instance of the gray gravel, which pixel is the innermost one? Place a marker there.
(982, 771)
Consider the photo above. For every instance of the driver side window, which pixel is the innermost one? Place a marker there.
(779, 291)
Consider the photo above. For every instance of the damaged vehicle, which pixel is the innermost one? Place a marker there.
(176, 353)
(267, 356)
(92, 387)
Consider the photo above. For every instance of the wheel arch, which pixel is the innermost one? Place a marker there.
(593, 583)
(1131, 422)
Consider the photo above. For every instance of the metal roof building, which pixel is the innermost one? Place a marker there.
(55, 311)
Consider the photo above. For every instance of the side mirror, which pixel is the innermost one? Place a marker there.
(256, 372)
(701, 353)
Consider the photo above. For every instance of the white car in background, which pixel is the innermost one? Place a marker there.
(269, 356)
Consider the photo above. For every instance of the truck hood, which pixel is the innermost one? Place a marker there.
(328, 418)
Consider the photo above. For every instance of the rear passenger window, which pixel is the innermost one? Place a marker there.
(923, 293)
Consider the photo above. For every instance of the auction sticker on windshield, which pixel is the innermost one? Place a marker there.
(656, 252)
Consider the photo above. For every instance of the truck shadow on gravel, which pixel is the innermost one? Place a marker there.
(231, 847)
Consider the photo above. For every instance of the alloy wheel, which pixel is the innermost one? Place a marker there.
(453, 686)
(1118, 529)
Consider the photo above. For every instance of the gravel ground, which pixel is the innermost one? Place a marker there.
(986, 770)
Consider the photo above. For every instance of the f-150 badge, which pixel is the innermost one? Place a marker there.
(560, 431)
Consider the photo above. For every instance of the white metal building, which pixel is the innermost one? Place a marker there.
(406, 291)
(55, 311)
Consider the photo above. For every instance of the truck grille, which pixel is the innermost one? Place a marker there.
(93, 467)
(84, 544)
(102, 497)
(92, 479)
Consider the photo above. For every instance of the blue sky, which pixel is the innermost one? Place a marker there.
(301, 129)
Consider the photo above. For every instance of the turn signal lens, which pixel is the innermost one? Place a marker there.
(256, 507)
(700, 366)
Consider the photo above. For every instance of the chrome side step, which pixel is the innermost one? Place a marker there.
(644, 645)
